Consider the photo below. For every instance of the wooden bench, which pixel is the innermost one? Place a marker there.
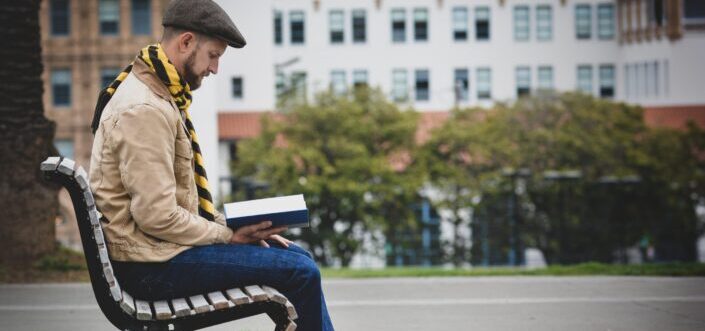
(130, 313)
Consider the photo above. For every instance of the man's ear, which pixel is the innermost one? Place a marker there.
(187, 41)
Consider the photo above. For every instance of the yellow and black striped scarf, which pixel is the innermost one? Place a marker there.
(156, 59)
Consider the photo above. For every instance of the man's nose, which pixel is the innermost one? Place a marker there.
(213, 68)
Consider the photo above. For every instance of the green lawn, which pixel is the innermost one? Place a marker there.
(585, 269)
(69, 266)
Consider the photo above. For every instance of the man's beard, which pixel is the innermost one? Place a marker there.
(192, 78)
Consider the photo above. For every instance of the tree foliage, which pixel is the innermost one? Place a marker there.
(349, 156)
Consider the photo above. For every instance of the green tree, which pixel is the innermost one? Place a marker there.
(350, 157)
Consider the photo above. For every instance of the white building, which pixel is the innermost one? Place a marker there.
(434, 54)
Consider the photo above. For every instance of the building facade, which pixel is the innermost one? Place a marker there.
(433, 55)
(85, 44)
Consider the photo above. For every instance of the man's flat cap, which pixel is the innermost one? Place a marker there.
(204, 16)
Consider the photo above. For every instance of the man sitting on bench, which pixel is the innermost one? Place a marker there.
(148, 178)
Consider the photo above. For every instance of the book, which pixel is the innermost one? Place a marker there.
(290, 211)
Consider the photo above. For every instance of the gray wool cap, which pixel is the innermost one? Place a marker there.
(204, 16)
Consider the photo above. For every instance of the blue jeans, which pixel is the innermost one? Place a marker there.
(204, 269)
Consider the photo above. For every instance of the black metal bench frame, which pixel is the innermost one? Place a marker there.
(120, 308)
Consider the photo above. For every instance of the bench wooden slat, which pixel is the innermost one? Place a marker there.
(88, 196)
(291, 310)
(162, 310)
(103, 254)
(81, 177)
(218, 300)
(94, 217)
(127, 303)
(291, 326)
(256, 293)
(115, 291)
(66, 167)
(50, 164)
(98, 234)
(274, 295)
(181, 307)
(237, 296)
(199, 304)
(144, 311)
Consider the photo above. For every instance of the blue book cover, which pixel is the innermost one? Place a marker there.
(290, 211)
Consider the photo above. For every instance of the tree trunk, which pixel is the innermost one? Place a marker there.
(27, 205)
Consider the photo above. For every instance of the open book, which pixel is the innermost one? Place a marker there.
(287, 210)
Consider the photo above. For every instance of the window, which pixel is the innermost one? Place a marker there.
(298, 82)
(398, 25)
(482, 23)
(693, 12)
(545, 74)
(108, 75)
(359, 25)
(420, 24)
(399, 88)
(607, 81)
(337, 24)
(585, 79)
(460, 23)
(583, 21)
(461, 83)
(60, 17)
(655, 75)
(61, 87)
(627, 78)
(141, 17)
(523, 81)
(544, 23)
(605, 21)
(278, 28)
(337, 82)
(484, 83)
(64, 147)
(296, 21)
(521, 23)
(360, 78)
(109, 16)
(237, 87)
(280, 85)
(422, 85)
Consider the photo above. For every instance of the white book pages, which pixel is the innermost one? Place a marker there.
(265, 206)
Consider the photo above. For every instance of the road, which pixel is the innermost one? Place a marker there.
(478, 303)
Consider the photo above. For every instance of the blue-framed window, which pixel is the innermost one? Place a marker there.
(484, 83)
(297, 26)
(360, 78)
(336, 21)
(61, 87)
(420, 24)
(583, 21)
(60, 16)
(398, 25)
(605, 21)
(461, 84)
(337, 82)
(278, 27)
(607, 79)
(400, 91)
(584, 78)
(544, 23)
(108, 75)
(422, 86)
(460, 23)
(521, 23)
(141, 17)
(482, 23)
(545, 76)
(237, 87)
(359, 25)
(109, 17)
(523, 81)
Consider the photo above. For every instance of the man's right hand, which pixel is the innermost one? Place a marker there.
(255, 233)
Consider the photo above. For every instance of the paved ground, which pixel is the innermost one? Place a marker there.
(495, 303)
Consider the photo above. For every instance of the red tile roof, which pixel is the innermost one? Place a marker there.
(239, 125)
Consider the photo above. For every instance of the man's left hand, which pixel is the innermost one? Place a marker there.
(277, 238)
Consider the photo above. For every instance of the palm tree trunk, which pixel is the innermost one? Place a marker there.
(27, 206)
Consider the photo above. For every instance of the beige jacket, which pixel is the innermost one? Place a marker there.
(142, 175)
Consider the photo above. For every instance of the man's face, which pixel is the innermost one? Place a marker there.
(203, 61)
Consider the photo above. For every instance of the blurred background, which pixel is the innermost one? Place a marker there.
(431, 132)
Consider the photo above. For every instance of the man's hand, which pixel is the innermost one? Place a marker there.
(279, 239)
(255, 233)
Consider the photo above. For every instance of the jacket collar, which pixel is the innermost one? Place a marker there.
(147, 76)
